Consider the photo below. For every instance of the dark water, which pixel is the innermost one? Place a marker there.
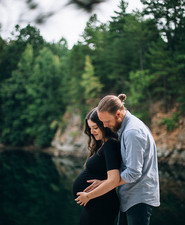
(35, 189)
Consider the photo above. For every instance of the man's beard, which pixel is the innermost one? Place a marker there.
(117, 126)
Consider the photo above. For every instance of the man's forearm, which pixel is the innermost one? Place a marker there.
(121, 182)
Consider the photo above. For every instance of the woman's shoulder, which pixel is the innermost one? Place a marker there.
(112, 141)
(112, 148)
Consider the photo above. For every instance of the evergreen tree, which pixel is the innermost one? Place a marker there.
(15, 47)
(46, 104)
(129, 39)
(167, 56)
(76, 63)
(169, 17)
(140, 93)
(94, 36)
(90, 83)
(15, 101)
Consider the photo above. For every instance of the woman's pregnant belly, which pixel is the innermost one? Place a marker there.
(108, 200)
(80, 182)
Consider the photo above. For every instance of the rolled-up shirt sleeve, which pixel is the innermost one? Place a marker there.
(134, 147)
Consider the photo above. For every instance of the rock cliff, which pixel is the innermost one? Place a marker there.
(170, 144)
(72, 140)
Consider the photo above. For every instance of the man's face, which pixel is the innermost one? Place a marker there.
(111, 121)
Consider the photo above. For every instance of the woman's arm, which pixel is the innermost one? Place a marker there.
(113, 180)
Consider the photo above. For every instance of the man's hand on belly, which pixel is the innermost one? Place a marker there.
(94, 184)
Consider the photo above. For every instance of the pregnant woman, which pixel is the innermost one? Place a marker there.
(101, 205)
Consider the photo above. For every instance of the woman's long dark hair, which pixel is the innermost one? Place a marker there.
(93, 144)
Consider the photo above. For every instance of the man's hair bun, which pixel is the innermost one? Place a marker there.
(122, 97)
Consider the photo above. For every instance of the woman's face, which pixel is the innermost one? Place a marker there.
(95, 130)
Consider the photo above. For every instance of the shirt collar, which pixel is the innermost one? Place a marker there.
(123, 124)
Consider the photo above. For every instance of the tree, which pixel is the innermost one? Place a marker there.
(15, 100)
(76, 63)
(118, 21)
(128, 41)
(94, 37)
(118, 54)
(32, 100)
(46, 104)
(167, 81)
(14, 48)
(167, 56)
(140, 93)
(168, 16)
(60, 49)
(141, 33)
(90, 83)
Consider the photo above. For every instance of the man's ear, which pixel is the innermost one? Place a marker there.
(118, 113)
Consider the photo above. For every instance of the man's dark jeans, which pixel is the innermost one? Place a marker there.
(137, 215)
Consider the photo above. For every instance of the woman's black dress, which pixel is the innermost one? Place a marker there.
(101, 210)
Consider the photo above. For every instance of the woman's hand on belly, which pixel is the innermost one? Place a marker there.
(82, 198)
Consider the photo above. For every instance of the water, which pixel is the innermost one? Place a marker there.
(35, 189)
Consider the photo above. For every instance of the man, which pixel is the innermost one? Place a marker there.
(139, 170)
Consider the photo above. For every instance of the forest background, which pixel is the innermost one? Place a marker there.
(141, 54)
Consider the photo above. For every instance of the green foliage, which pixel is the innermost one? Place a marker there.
(169, 15)
(44, 91)
(165, 54)
(76, 65)
(142, 57)
(91, 86)
(32, 99)
(140, 95)
(90, 83)
(171, 123)
(139, 90)
(12, 51)
(93, 35)
(14, 101)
